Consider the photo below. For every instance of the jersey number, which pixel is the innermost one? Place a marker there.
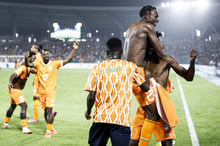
(45, 76)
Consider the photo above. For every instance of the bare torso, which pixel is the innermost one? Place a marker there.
(159, 69)
(136, 43)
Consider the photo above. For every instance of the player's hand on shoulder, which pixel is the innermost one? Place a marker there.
(75, 45)
(194, 53)
(87, 115)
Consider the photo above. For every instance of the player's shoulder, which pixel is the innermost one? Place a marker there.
(22, 66)
(168, 59)
(131, 64)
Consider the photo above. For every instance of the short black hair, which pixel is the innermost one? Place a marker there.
(31, 54)
(114, 43)
(146, 9)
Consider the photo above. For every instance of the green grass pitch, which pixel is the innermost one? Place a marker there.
(203, 99)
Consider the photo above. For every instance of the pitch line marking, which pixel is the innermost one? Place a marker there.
(192, 131)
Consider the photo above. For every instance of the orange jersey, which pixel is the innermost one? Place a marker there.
(47, 75)
(23, 73)
(112, 80)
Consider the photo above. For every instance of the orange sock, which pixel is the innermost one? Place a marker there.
(24, 122)
(7, 119)
(36, 108)
(49, 127)
(146, 132)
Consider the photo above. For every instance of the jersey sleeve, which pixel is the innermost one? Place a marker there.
(91, 84)
(59, 63)
(139, 75)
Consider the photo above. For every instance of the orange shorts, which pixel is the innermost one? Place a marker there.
(16, 96)
(137, 124)
(160, 133)
(48, 100)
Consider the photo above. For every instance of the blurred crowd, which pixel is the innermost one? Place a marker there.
(209, 51)
(93, 50)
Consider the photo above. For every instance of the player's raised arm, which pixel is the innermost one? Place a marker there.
(75, 46)
(186, 74)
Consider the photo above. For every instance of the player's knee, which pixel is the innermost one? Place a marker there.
(24, 106)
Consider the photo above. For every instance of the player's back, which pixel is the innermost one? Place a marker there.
(114, 90)
(136, 43)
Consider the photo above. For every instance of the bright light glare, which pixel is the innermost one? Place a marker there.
(203, 4)
(163, 5)
(198, 33)
(188, 3)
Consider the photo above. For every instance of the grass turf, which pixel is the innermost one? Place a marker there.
(202, 99)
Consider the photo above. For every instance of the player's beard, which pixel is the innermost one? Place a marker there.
(46, 60)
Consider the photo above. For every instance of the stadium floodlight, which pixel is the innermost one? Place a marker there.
(172, 4)
(29, 39)
(163, 34)
(66, 33)
(97, 40)
(83, 40)
(124, 34)
(78, 26)
(16, 35)
(168, 4)
(112, 34)
(189, 3)
(97, 31)
(89, 35)
(210, 38)
(48, 31)
(203, 4)
(198, 33)
(163, 5)
(35, 40)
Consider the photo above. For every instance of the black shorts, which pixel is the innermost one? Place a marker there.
(100, 133)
